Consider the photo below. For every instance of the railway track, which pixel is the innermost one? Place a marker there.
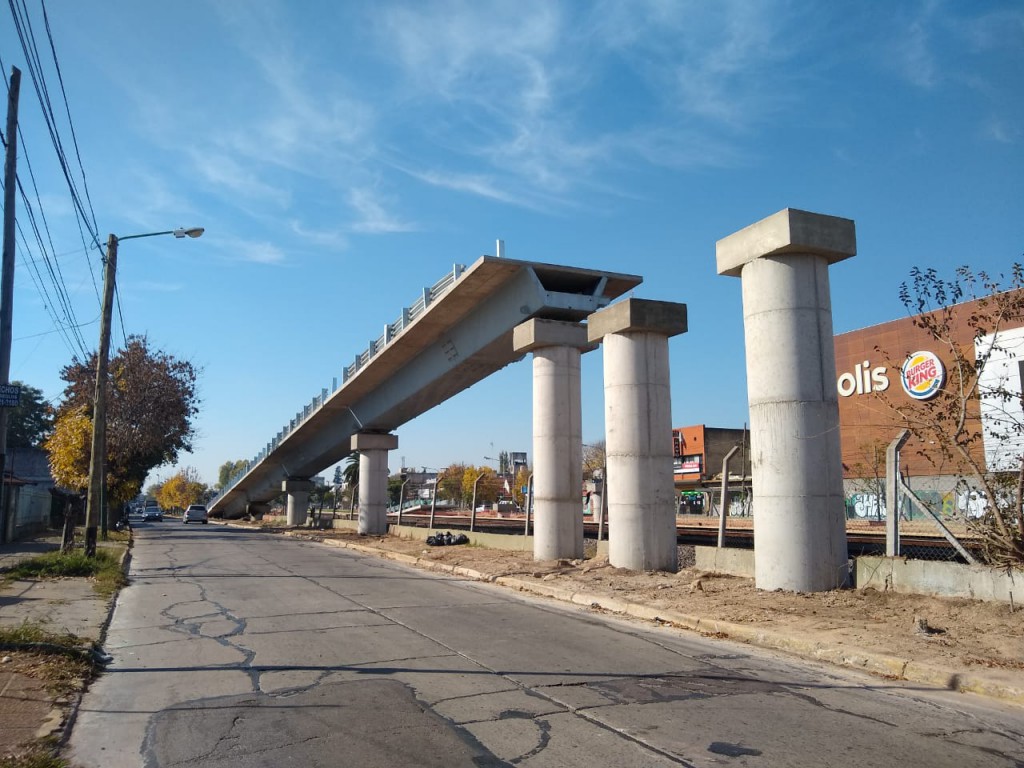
(863, 537)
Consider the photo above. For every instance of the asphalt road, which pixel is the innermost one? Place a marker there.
(236, 648)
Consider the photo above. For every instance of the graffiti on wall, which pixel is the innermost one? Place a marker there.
(962, 503)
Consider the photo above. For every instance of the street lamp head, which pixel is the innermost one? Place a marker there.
(191, 232)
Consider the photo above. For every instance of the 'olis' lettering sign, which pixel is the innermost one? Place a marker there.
(864, 379)
(922, 376)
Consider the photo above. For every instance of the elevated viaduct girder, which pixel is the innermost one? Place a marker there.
(457, 340)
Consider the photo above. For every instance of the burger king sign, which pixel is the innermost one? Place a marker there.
(922, 375)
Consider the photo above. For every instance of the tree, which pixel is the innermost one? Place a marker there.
(487, 489)
(522, 480)
(31, 422)
(975, 340)
(151, 402)
(182, 489)
(594, 458)
(394, 489)
(69, 446)
(869, 474)
(350, 473)
(336, 484)
(228, 470)
(449, 482)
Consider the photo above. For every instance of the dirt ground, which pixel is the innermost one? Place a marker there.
(942, 632)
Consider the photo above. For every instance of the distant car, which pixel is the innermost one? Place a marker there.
(153, 513)
(196, 514)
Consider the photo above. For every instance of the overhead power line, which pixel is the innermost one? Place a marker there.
(46, 271)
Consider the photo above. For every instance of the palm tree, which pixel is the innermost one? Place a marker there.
(351, 476)
(350, 473)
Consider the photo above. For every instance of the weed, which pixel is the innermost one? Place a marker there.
(35, 756)
(63, 661)
(105, 568)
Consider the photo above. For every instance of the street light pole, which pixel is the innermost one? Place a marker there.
(98, 454)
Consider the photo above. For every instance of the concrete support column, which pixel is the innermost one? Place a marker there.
(373, 480)
(557, 434)
(255, 510)
(638, 431)
(796, 463)
(298, 499)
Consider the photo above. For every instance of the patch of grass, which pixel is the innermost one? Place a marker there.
(104, 568)
(29, 633)
(63, 661)
(34, 756)
(120, 536)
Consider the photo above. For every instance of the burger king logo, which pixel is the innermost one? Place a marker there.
(922, 375)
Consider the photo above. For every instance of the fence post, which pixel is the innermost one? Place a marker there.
(723, 510)
(892, 498)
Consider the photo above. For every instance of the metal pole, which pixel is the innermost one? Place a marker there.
(97, 459)
(433, 500)
(892, 505)
(401, 499)
(7, 278)
(603, 505)
(724, 507)
(472, 512)
(529, 503)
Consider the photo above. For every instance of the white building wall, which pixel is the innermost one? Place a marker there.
(1001, 373)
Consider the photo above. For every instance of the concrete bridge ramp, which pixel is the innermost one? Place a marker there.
(456, 334)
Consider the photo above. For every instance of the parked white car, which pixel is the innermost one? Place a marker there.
(196, 513)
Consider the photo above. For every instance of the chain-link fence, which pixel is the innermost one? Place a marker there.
(934, 525)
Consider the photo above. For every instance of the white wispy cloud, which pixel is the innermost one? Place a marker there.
(492, 54)
(532, 74)
(253, 251)
(998, 130)
(373, 217)
(308, 117)
(333, 239)
(915, 54)
(234, 175)
(482, 185)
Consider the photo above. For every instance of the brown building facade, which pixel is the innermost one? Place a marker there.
(698, 452)
(892, 365)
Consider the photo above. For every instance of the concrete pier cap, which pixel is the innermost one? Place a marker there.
(538, 333)
(788, 231)
(372, 441)
(665, 318)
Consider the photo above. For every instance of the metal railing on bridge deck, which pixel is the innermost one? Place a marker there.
(391, 332)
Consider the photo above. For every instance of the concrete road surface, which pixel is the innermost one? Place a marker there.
(236, 648)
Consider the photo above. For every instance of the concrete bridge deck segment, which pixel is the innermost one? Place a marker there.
(455, 340)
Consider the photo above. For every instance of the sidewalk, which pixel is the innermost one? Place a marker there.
(29, 708)
(14, 553)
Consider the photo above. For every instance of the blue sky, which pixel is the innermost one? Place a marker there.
(343, 155)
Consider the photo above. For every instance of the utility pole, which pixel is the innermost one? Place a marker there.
(7, 279)
(98, 456)
(94, 508)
